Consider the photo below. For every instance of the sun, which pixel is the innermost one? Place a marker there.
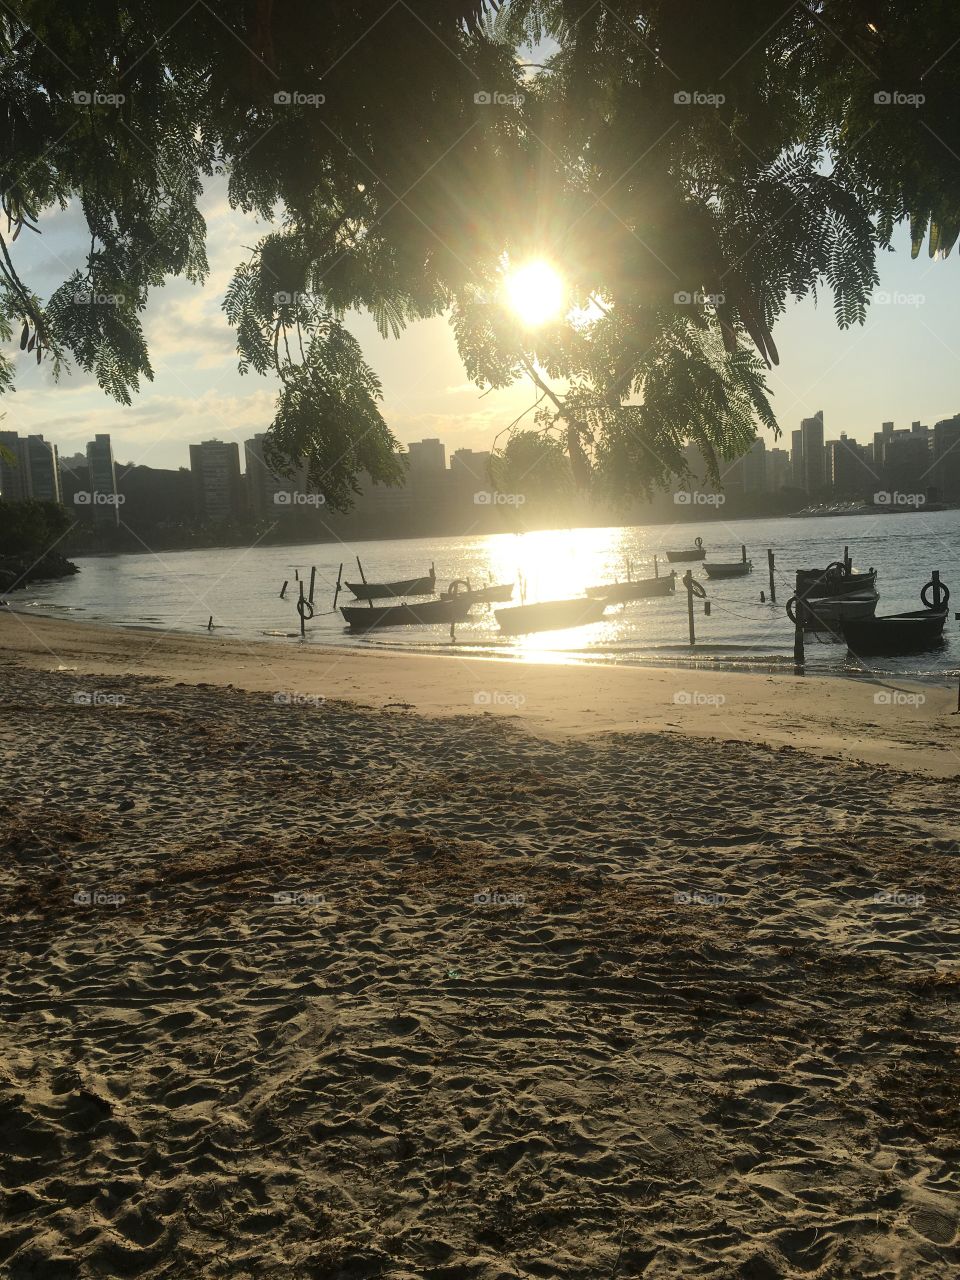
(535, 292)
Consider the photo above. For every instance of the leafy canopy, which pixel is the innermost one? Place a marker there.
(690, 167)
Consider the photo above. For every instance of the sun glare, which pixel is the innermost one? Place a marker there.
(535, 292)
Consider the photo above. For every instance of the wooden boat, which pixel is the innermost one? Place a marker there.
(836, 580)
(896, 633)
(829, 613)
(696, 552)
(551, 615)
(640, 589)
(424, 586)
(367, 617)
(496, 593)
(727, 569)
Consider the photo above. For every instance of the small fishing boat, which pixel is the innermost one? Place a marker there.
(729, 568)
(896, 632)
(496, 593)
(424, 586)
(551, 615)
(639, 589)
(367, 617)
(696, 552)
(828, 613)
(837, 579)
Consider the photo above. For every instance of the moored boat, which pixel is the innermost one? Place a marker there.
(696, 552)
(423, 586)
(429, 612)
(550, 615)
(495, 593)
(727, 569)
(639, 589)
(828, 613)
(895, 633)
(837, 579)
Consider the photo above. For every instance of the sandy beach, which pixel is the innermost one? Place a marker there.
(320, 965)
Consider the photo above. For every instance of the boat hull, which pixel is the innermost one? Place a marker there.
(643, 588)
(820, 583)
(431, 612)
(896, 633)
(686, 557)
(424, 586)
(735, 569)
(828, 614)
(501, 593)
(552, 615)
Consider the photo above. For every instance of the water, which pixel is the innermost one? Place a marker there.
(178, 590)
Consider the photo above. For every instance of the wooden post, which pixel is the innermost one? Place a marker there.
(656, 568)
(337, 591)
(301, 611)
(283, 589)
(363, 579)
(798, 654)
(313, 579)
(937, 588)
(210, 623)
(688, 583)
(296, 575)
(773, 582)
(743, 552)
(629, 572)
(847, 562)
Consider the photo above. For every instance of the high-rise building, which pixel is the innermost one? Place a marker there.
(269, 492)
(426, 458)
(13, 478)
(779, 470)
(946, 458)
(215, 470)
(907, 463)
(105, 508)
(32, 472)
(811, 430)
(796, 458)
(850, 471)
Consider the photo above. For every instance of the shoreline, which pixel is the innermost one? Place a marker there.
(905, 724)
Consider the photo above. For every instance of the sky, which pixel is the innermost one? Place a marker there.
(901, 365)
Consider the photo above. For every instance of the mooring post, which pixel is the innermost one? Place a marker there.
(773, 584)
(847, 562)
(937, 588)
(656, 568)
(302, 612)
(313, 579)
(210, 623)
(798, 654)
(337, 589)
(743, 552)
(283, 589)
(688, 583)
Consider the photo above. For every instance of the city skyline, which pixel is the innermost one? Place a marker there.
(863, 376)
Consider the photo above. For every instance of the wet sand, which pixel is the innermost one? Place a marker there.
(310, 988)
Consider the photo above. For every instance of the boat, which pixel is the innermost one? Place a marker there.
(496, 593)
(367, 617)
(639, 589)
(829, 613)
(424, 586)
(837, 579)
(729, 568)
(896, 632)
(550, 615)
(696, 552)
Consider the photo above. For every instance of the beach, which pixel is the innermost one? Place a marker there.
(343, 964)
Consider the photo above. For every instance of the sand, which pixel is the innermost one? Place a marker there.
(315, 989)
